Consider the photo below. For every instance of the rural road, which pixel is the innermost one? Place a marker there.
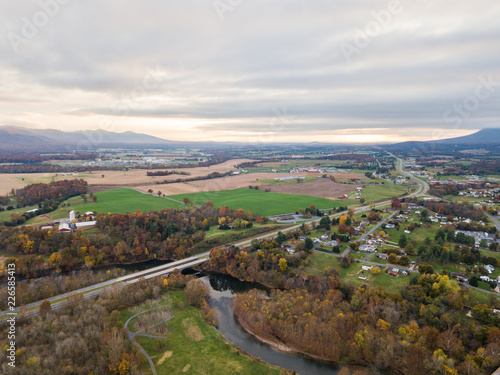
(370, 232)
(369, 262)
(495, 220)
(374, 229)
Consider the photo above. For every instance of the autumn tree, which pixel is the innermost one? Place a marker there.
(45, 308)
(309, 244)
(343, 229)
(283, 265)
(196, 292)
(396, 203)
(392, 258)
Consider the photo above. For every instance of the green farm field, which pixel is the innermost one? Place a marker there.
(377, 192)
(116, 201)
(262, 202)
(5, 215)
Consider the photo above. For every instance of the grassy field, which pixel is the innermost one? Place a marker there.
(5, 215)
(320, 261)
(377, 192)
(206, 352)
(263, 203)
(116, 201)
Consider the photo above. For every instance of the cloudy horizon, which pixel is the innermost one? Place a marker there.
(253, 71)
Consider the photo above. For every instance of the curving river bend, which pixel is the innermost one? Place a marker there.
(222, 292)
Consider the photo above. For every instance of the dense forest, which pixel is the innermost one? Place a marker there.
(53, 191)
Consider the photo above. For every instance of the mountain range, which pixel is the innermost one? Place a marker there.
(18, 138)
(14, 138)
(482, 138)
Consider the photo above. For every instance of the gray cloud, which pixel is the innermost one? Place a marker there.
(230, 76)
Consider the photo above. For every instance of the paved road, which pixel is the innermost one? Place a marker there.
(369, 232)
(423, 186)
(368, 255)
(495, 220)
(368, 262)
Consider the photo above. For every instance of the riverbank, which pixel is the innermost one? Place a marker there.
(286, 348)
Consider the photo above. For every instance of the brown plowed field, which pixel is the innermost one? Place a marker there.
(320, 188)
(216, 184)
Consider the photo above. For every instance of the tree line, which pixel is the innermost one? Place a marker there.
(166, 173)
(197, 178)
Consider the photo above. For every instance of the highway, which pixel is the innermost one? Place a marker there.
(93, 290)
(423, 187)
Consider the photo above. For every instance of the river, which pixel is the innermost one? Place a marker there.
(222, 292)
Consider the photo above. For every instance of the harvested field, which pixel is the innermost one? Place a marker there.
(9, 182)
(132, 177)
(217, 184)
(323, 187)
(236, 182)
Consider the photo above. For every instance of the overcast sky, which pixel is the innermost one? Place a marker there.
(253, 70)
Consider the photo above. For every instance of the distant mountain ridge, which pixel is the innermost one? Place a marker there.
(484, 137)
(19, 138)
